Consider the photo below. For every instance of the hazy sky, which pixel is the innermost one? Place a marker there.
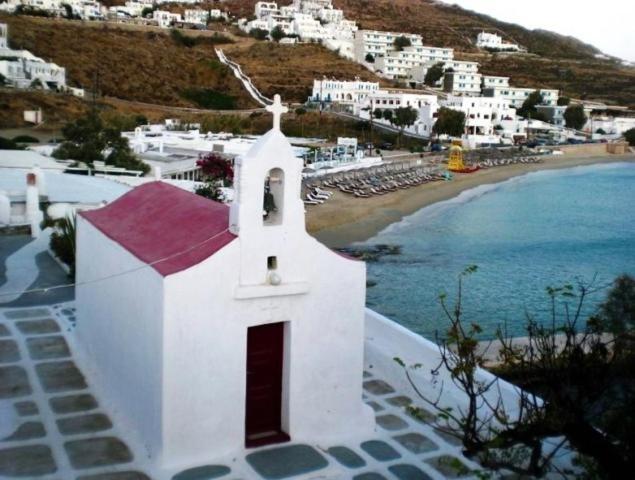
(607, 24)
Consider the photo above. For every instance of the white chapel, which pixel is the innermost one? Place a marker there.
(212, 329)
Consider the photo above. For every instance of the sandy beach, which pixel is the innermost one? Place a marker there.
(345, 219)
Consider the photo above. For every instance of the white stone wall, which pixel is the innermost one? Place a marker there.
(121, 332)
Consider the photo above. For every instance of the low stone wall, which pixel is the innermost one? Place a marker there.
(583, 149)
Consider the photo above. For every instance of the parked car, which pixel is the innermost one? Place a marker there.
(436, 147)
(386, 146)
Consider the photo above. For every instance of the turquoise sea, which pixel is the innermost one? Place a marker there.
(534, 231)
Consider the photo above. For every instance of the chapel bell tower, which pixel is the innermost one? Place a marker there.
(267, 213)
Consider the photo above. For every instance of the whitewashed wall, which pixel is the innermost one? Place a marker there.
(120, 332)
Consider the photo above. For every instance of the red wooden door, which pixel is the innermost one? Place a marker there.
(264, 385)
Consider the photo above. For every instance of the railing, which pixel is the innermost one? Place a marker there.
(245, 80)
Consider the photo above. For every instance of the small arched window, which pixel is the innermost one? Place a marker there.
(273, 197)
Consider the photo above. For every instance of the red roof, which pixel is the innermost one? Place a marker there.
(165, 226)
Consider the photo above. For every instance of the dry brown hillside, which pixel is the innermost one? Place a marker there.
(290, 69)
(146, 65)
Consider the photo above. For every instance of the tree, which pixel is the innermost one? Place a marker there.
(370, 58)
(277, 33)
(402, 42)
(434, 74)
(528, 109)
(87, 139)
(378, 113)
(629, 136)
(600, 131)
(259, 33)
(404, 117)
(584, 378)
(564, 101)
(388, 115)
(147, 11)
(449, 122)
(574, 117)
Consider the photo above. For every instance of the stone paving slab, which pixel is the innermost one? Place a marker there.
(449, 466)
(60, 376)
(380, 450)
(9, 352)
(369, 476)
(38, 327)
(14, 382)
(73, 403)
(391, 422)
(408, 472)
(97, 452)
(128, 475)
(378, 387)
(286, 462)
(27, 431)
(47, 348)
(27, 461)
(26, 408)
(347, 457)
(205, 472)
(27, 313)
(416, 443)
(400, 401)
(90, 423)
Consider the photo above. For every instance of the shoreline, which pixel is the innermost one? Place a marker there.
(345, 219)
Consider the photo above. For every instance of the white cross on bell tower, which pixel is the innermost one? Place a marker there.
(277, 109)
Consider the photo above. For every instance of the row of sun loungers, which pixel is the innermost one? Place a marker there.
(380, 180)
(493, 162)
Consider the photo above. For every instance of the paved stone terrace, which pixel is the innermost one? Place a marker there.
(53, 427)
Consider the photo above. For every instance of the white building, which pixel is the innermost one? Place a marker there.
(196, 16)
(419, 72)
(22, 69)
(404, 63)
(460, 83)
(613, 126)
(554, 113)
(492, 41)
(377, 43)
(491, 81)
(342, 91)
(517, 96)
(263, 9)
(247, 331)
(166, 19)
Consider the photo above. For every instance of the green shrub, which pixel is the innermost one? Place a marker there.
(25, 139)
(63, 241)
(629, 135)
(8, 144)
(207, 98)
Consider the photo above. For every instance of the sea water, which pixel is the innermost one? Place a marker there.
(542, 229)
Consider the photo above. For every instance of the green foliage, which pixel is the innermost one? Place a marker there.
(277, 33)
(378, 113)
(401, 42)
(574, 117)
(208, 98)
(259, 33)
(600, 131)
(449, 122)
(63, 241)
(388, 115)
(87, 140)
(8, 144)
(564, 101)
(528, 109)
(404, 117)
(370, 58)
(209, 190)
(191, 41)
(25, 139)
(36, 83)
(629, 135)
(3, 80)
(300, 111)
(147, 11)
(434, 74)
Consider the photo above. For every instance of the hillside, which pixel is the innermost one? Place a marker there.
(554, 61)
(145, 65)
(290, 69)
